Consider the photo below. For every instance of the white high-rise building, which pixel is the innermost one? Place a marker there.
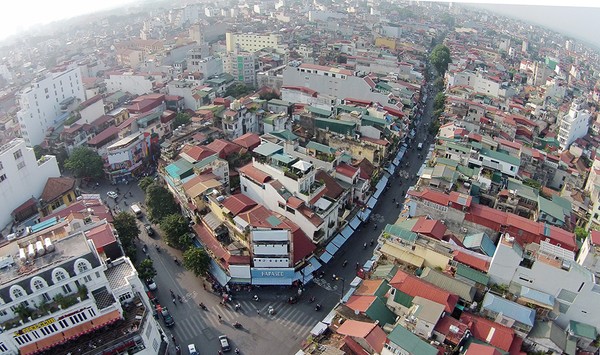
(573, 125)
(22, 176)
(46, 101)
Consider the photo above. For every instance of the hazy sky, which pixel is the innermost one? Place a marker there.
(19, 15)
(581, 18)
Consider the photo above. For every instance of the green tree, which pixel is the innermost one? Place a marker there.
(85, 162)
(532, 183)
(160, 203)
(127, 228)
(175, 226)
(438, 83)
(181, 118)
(440, 58)
(39, 152)
(581, 233)
(238, 90)
(196, 260)
(268, 96)
(434, 127)
(439, 101)
(145, 182)
(146, 269)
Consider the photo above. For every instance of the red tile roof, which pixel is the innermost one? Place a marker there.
(294, 202)
(98, 208)
(429, 227)
(481, 349)
(489, 331)
(346, 170)
(103, 136)
(360, 303)
(303, 89)
(253, 173)
(414, 286)
(101, 235)
(366, 169)
(56, 187)
(223, 148)
(211, 243)
(333, 189)
(595, 236)
(238, 203)
(249, 141)
(196, 153)
(432, 196)
(371, 332)
(443, 327)
(303, 246)
(472, 261)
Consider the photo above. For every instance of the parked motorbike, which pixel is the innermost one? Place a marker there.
(237, 325)
(203, 306)
(255, 298)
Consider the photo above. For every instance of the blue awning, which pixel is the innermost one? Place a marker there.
(355, 222)
(347, 232)
(372, 202)
(313, 265)
(377, 193)
(218, 273)
(364, 215)
(331, 248)
(348, 294)
(325, 257)
(338, 240)
(382, 182)
(267, 281)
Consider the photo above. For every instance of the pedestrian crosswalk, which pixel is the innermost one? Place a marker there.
(294, 319)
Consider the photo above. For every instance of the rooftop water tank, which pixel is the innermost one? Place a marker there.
(39, 248)
(49, 245)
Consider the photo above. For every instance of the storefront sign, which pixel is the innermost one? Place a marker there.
(272, 276)
(35, 326)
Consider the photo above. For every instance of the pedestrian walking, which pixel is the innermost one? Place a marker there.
(258, 311)
(220, 318)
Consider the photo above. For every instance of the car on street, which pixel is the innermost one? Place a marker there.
(224, 343)
(151, 284)
(112, 194)
(166, 316)
(192, 349)
(148, 229)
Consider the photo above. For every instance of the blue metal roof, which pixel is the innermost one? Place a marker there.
(537, 296)
(509, 309)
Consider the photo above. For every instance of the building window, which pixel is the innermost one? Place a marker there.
(18, 154)
(59, 274)
(66, 288)
(2, 177)
(37, 283)
(21, 165)
(82, 266)
(87, 279)
(17, 292)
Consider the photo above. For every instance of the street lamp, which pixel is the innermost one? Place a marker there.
(338, 278)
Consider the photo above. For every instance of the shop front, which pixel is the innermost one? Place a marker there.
(272, 276)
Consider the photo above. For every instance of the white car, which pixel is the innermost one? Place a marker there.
(112, 194)
(192, 349)
(224, 343)
(151, 284)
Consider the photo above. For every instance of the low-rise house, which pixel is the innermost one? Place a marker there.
(508, 313)
(58, 192)
(423, 316)
(403, 341)
(585, 334)
(450, 284)
(548, 337)
(368, 336)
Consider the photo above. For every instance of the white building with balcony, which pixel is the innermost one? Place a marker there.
(572, 289)
(45, 103)
(136, 84)
(22, 176)
(238, 120)
(573, 125)
(54, 290)
(287, 185)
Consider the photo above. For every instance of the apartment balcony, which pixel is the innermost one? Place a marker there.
(60, 303)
